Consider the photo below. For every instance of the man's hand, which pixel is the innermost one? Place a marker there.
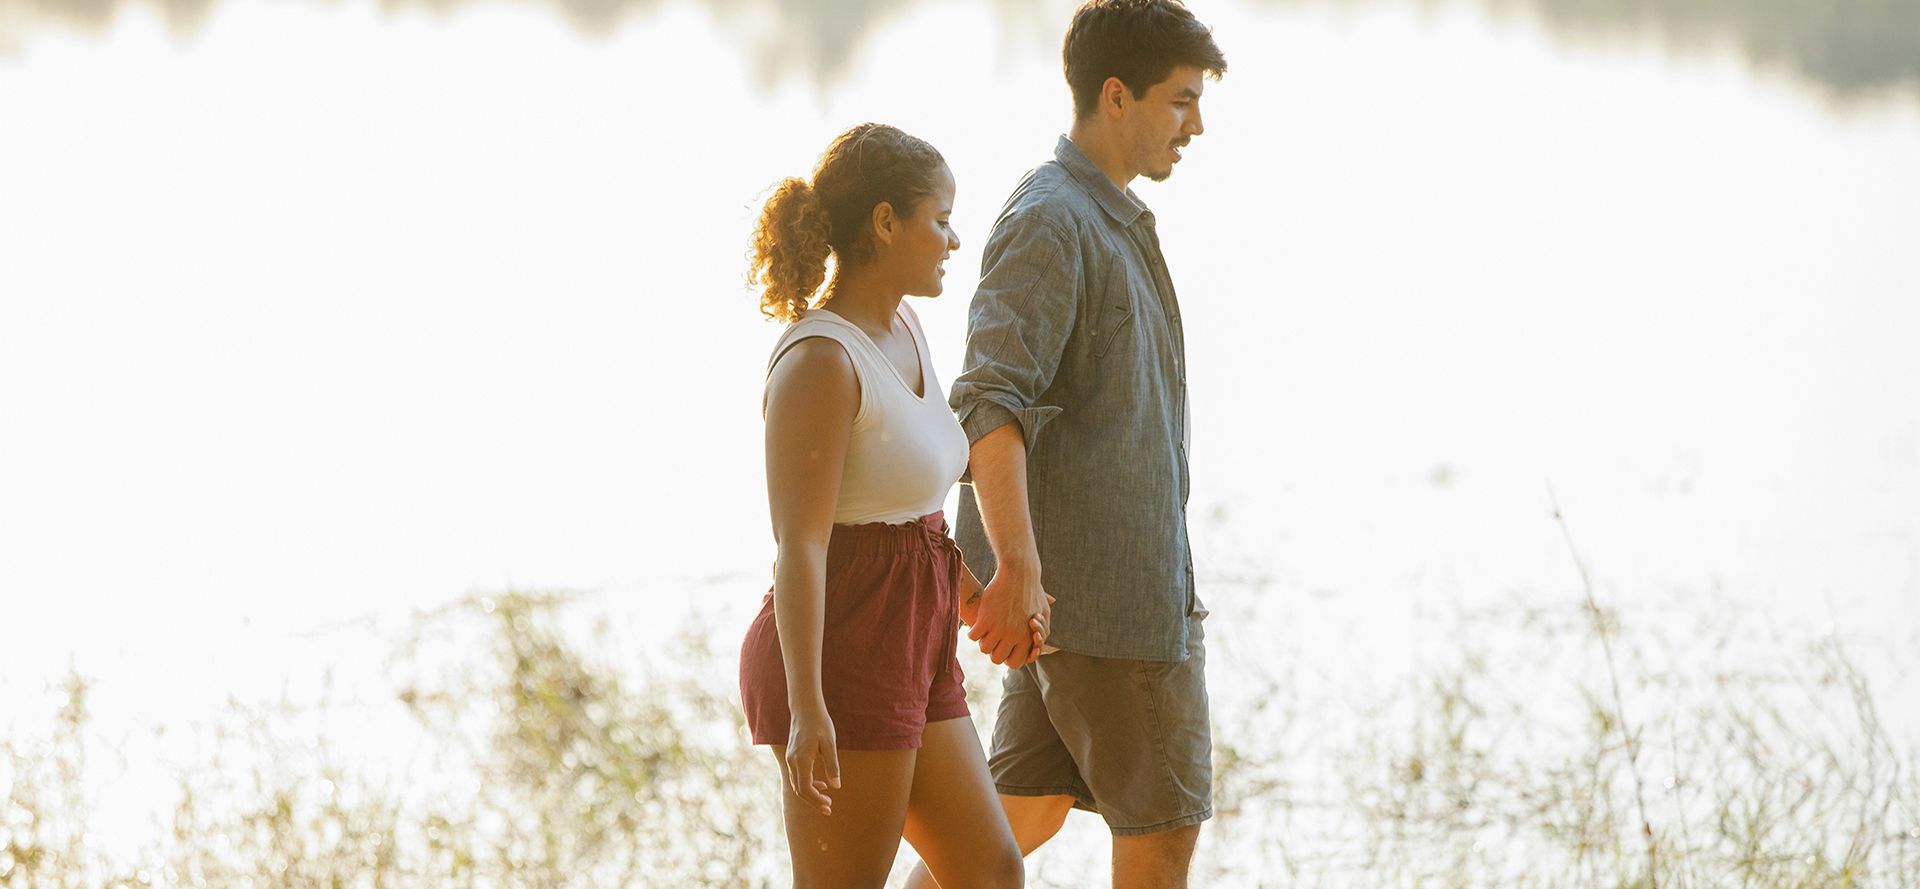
(970, 589)
(1013, 617)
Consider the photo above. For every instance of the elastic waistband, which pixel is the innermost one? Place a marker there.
(879, 538)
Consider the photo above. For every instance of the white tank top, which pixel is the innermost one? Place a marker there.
(907, 450)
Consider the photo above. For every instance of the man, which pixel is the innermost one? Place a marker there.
(1073, 396)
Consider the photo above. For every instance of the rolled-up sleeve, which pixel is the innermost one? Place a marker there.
(1018, 327)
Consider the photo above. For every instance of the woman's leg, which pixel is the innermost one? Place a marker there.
(954, 818)
(854, 847)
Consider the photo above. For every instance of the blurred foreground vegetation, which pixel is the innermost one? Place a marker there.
(546, 763)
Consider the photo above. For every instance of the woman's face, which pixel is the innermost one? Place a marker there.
(925, 238)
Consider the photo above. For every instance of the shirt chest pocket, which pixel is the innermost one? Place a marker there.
(1114, 309)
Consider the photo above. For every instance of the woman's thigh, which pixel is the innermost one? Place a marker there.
(855, 846)
(954, 819)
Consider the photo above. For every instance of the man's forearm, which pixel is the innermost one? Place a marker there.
(998, 461)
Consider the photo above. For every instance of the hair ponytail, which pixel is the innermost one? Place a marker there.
(790, 249)
(806, 222)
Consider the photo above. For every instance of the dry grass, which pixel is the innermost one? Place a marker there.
(540, 764)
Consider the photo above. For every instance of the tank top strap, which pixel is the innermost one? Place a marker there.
(826, 325)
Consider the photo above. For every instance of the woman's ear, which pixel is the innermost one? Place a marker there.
(883, 223)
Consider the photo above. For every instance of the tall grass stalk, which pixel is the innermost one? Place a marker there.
(1629, 738)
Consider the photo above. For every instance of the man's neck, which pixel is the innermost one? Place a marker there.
(1100, 146)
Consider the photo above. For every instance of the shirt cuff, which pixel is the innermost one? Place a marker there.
(987, 414)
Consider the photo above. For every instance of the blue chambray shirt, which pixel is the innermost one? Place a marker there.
(1074, 333)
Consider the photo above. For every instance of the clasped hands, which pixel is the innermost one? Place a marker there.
(1010, 618)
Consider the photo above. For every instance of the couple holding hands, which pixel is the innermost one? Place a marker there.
(1068, 429)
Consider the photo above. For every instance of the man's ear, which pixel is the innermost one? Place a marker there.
(1114, 96)
(883, 223)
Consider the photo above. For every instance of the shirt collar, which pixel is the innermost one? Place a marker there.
(1123, 206)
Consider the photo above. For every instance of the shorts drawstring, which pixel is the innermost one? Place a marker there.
(939, 539)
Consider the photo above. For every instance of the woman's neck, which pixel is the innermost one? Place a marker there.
(861, 300)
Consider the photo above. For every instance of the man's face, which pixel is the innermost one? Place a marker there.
(1163, 121)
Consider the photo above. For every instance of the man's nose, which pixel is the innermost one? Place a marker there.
(1194, 125)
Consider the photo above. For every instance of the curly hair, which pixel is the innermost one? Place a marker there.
(805, 222)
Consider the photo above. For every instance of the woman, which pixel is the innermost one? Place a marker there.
(849, 671)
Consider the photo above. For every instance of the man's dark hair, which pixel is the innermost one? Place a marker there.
(1138, 41)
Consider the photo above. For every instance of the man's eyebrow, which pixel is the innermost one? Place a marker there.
(1187, 93)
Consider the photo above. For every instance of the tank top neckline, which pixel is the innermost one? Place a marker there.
(919, 349)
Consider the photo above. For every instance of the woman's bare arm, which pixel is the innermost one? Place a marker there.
(812, 397)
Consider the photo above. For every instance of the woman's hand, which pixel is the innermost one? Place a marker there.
(970, 589)
(813, 762)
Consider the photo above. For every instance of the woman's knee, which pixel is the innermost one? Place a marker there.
(842, 879)
(987, 866)
(1008, 869)
(1000, 868)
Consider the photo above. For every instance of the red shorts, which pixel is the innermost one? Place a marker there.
(889, 650)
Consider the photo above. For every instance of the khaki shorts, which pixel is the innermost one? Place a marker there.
(1128, 739)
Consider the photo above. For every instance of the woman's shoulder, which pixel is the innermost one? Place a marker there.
(814, 351)
(824, 343)
(815, 323)
(813, 334)
(815, 369)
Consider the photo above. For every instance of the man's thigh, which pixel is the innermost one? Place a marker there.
(1129, 739)
(1029, 758)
